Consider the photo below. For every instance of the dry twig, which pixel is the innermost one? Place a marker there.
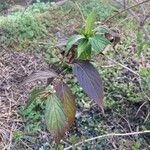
(127, 9)
(140, 20)
(140, 108)
(106, 135)
(123, 66)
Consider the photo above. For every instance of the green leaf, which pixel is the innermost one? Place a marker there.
(81, 30)
(84, 50)
(56, 118)
(86, 55)
(101, 30)
(72, 40)
(90, 23)
(144, 72)
(34, 95)
(99, 42)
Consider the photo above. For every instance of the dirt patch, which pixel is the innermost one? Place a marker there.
(14, 67)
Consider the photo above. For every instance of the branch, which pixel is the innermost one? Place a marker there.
(80, 11)
(140, 20)
(108, 136)
(123, 66)
(59, 3)
(146, 32)
(127, 9)
(131, 12)
(142, 9)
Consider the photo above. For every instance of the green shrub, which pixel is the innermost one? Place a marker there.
(21, 26)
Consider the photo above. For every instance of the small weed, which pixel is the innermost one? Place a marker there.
(17, 135)
(33, 113)
(145, 81)
(142, 44)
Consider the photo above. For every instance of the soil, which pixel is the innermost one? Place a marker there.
(14, 67)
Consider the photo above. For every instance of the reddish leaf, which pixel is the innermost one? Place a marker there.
(71, 54)
(39, 76)
(68, 101)
(113, 36)
(89, 79)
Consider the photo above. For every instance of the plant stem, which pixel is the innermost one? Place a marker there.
(80, 11)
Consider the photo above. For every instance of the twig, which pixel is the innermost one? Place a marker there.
(140, 108)
(108, 136)
(148, 98)
(80, 11)
(124, 4)
(123, 66)
(127, 9)
(126, 121)
(139, 20)
(148, 114)
(10, 105)
(66, 142)
(26, 145)
(11, 136)
(146, 32)
(122, 21)
(133, 13)
(62, 2)
(142, 9)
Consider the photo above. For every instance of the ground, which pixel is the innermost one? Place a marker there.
(25, 49)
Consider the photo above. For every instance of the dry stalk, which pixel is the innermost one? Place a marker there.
(106, 136)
